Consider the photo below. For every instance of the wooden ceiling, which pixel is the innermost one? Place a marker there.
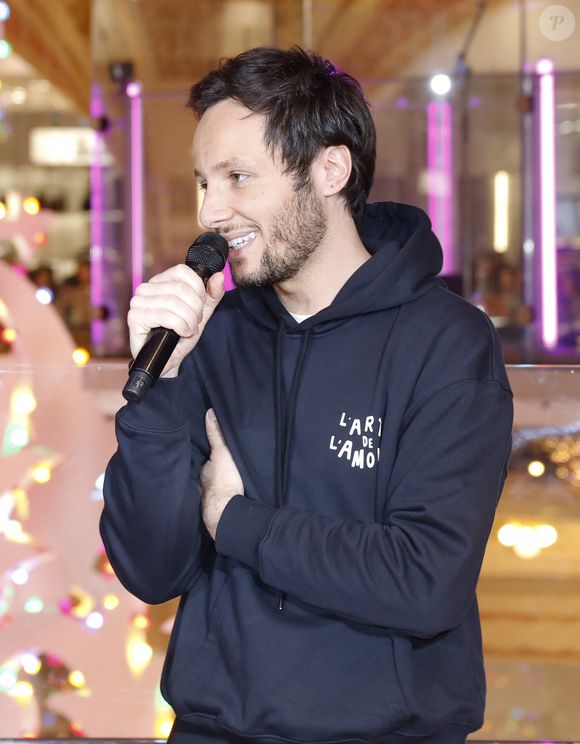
(54, 37)
(173, 42)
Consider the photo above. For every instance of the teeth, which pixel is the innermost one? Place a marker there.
(238, 242)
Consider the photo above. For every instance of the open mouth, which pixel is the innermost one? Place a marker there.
(241, 241)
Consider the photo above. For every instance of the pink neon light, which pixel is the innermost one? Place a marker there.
(97, 218)
(440, 170)
(136, 103)
(547, 180)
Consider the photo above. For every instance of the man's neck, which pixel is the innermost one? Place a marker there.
(326, 271)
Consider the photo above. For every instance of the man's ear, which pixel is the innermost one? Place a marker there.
(331, 169)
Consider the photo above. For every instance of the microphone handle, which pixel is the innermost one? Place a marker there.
(149, 363)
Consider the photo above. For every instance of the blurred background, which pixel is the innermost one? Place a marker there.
(477, 106)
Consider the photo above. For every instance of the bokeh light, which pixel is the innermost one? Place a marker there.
(527, 540)
(139, 655)
(22, 691)
(94, 621)
(31, 205)
(110, 601)
(34, 605)
(141, 622)
(5, 49)
(76, 679)
(165, 728)
(19, 436)
(22, 401)
(13, 531)
(8, 679)
(41, 473)
(536, 468)
(9, 335)
(440, 84)
(39, 238)
(30, 663)
(80, 356)
(19, 576)
(44, 295)
(133, 89)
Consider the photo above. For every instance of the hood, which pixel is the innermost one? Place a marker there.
(405, 259)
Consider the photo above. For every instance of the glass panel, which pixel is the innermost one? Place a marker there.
(528, 591)
(62, 611)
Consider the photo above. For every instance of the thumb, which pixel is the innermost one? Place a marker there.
(215, 287)
(214, 291)
(213, 431)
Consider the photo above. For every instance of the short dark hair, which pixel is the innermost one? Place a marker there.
(308, 105)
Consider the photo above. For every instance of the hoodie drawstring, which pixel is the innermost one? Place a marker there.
(285, 418)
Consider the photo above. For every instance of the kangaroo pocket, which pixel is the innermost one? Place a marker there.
(297, 672)
(443, 678)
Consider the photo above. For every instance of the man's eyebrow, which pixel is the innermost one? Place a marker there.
(224, 165)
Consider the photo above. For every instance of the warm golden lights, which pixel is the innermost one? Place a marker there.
(76, 679)
(80, 356)
(139, 654)
(141, 622)
(41, 473)
(30, 663)
(31, 205)
(22, 402)
(527, 541)
(110, 601)
(22, 691)
(536, 468)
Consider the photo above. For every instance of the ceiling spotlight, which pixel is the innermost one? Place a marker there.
(4, 11)
(133, 89)
(544, 66)
(441, 84)
(121, 71)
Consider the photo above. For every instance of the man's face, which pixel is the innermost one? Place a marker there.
(271, 224)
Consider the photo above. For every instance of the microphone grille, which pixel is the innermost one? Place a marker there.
(210, 250)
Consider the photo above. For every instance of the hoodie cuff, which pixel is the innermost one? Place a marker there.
(162, 407)
(241, 529)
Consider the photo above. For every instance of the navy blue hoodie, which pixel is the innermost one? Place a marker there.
(372, 440)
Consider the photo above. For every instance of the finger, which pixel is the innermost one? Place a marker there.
(168, 312)
(180, 273)
(212, 428)
(171, 287)
(175, 297)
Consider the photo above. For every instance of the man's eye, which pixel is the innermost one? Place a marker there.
(202, 186)
(239, 177)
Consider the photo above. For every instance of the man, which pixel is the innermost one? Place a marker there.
(317, 471)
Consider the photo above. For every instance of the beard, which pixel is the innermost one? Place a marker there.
(294, 235)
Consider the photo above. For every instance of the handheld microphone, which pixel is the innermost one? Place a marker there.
(206, 256)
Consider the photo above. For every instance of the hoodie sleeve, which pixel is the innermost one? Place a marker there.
(415, 572)
(151, 524)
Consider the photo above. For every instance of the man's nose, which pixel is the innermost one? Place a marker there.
(214, 209)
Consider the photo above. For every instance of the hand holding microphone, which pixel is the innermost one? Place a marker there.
(168, 314)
